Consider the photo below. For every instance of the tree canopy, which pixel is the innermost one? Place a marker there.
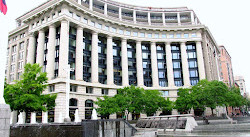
(208, 94)
(133, 100)
(26, 94)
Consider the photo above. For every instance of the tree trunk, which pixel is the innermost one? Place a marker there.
(212, 111)
(227, 110)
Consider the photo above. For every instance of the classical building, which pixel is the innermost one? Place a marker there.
(226, 67)
(110, 45)
(241, 82)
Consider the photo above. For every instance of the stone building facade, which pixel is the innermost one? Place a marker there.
(111, 45)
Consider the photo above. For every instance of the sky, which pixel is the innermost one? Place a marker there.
(228, 21)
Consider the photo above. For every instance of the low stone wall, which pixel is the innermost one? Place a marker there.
(87, 128)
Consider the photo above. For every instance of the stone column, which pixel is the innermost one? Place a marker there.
(45, 117)
(33, 118)
(163, 19)
(91, 4)
(94, 58)
(207, 60)
(120, 13)
(40, 48)
(192, 17)
(125, 80)
(154, 65)
(139, 68)
(51, 52)
(31, 49)
(4, 120)
(134, 16)
(110, 68)
(149, 19)
(169, 65)
(79, 53)
(105, 9)
(16, 62)
(179, 18)
(200, 60)
(64, 48)
(184, 61)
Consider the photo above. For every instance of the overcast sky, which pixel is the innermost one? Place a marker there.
(228, 21)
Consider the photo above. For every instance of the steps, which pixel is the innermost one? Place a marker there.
(145, 132)
(223, 128)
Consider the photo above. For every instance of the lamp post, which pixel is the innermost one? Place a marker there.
(67, 69)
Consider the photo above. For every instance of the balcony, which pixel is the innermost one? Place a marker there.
(98, 8)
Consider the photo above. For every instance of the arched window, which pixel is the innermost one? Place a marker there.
(72, 102)
(89, 103)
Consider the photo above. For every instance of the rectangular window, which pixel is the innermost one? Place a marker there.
(164, 93)
(142, 35)
(92, 23)
(13, 58)
(160, 56)
(51, 88)
(128, 33)
(164, 36)
(99, 26)
(175, 55)
(192, 64)
(176, 65)
(21, 45)
(113, 29)
(14, 49)
(84, 20)
(160, 65)
(130, 54)
(73, 88)
(157, 35)
(149, 35)
(20, 65)
(105, 91)
(193, 73)
(171, 35)
(177, 74)
(120, 31)
(193, 35)
(106, 28)
(12, 68)
(191, 55)
(89, 90)
(178, 35)
(186, 35)
(20, 55)
(135, 34)
(161, 74)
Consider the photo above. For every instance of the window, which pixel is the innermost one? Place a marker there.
(20, 65)
(142, 35)
(186, 35)
(19, 74)
(113, 29)
(84, 20)
(191, 55)
(135, 34)
(72, 102)
(114, 52)
(159, 47)
(89, 103)
(105, 91)
(163, 83)
(176, 65)
(99, 26)
(14, 49)
(178, 35)
(145, 64)
(11, 77)
(70, 13)
(20, 55)
(156, 35)
(130, 54)
(89, 90)
(149, 35)
(73, 88)
(12, 68)
(120, 31)
(175, 48)
(193, 35)
(161, 74)
(171, 35)
(177, 74)
(164, 36)
(21, 45)
(160, 65)
(106, 28)
(92, 23)
(164, 93)
(190, 47)
(192, 64)
(175, 55)
(145, 55)
(194, 82)
(13, 58)
(51, 88)
(160, 56)
(128, 33)
(193, 73)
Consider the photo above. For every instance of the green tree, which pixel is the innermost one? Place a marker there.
(234, 98)
(26, 94)
(106, 106)
(184, 102)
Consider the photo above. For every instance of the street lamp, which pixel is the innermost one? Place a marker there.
(67, 69)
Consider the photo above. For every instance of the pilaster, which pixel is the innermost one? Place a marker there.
(51, 52)
(124, 63)
(139, 68)
(40, 48)
(184, 62)
(110, 66)
(154, 66)
(94, 58)
(79, 53)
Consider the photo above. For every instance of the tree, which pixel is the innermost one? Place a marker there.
(26, 94)
(234, 98)
(133, 100)
(184, 102)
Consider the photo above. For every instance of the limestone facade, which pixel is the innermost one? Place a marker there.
(111, 45)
